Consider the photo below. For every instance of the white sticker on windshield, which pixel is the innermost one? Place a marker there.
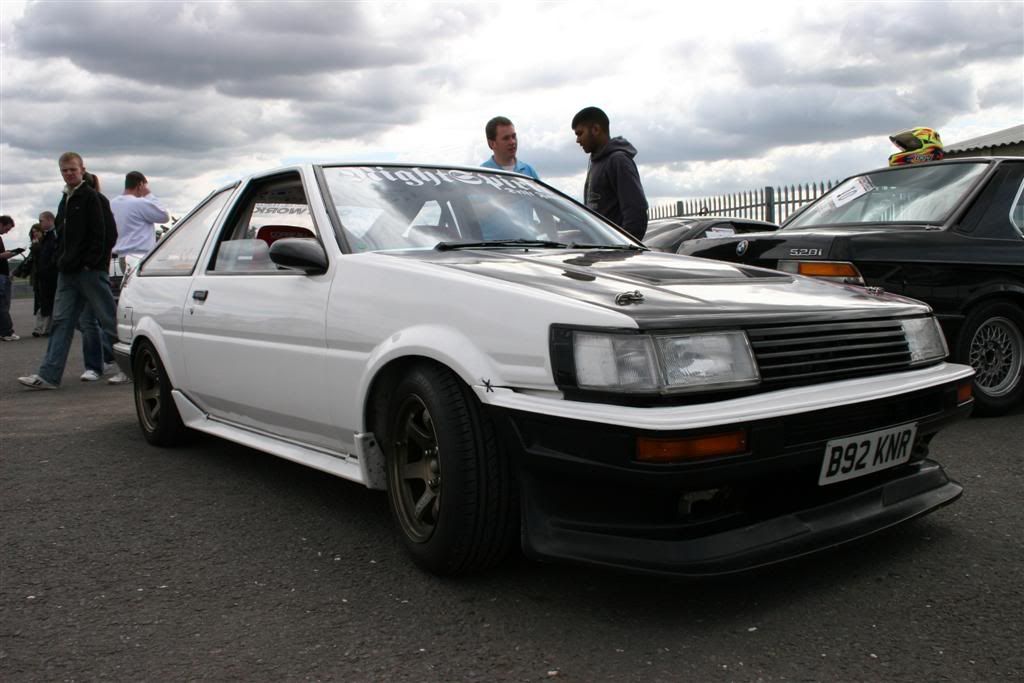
(857, 188)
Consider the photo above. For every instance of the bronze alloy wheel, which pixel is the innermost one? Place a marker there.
(450, 486)
(147, 390)
(416, 470)
(158, 415)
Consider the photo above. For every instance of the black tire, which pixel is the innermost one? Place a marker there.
(992, 342)
(158, 416)
(450, 487)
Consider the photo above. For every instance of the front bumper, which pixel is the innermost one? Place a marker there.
(585, 497)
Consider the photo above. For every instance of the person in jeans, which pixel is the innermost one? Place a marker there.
(97, 351)
(6, 286)
(83, 258)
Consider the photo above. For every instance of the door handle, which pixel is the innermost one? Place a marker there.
(200, 294)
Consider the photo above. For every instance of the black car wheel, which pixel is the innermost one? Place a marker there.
(158, 416)
(992, 342)
(450, 487)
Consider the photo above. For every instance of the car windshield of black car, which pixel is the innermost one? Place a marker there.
(909, 194)
(385, 208)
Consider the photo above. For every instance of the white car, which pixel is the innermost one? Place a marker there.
(516, 371)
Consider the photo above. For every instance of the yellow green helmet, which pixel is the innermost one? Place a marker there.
(917, 145)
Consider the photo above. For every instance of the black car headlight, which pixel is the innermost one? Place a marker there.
(623, 362)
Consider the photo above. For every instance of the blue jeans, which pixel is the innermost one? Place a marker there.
(75, 292)
(6, 324)
(95, 353)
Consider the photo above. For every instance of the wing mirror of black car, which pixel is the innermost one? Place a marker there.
(300, 253)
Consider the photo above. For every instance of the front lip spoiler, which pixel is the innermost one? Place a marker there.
(922, 490)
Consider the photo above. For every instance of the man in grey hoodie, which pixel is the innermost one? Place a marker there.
(613, 187)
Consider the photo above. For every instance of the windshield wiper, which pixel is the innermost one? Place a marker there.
(627, 247)
(446, 246)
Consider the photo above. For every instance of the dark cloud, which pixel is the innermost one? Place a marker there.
(193, 45)
(724, 126)
(895, 45)
(1005, 93)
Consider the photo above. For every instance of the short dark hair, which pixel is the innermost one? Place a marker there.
(48, 214)
(589, 115)
(6, 220)
(133, 180)
(491, 129)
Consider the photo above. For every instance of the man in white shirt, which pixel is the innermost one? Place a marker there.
(136, 212)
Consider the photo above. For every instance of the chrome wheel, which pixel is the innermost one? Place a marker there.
(995, 354)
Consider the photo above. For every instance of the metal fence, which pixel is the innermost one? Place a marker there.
(774, 204)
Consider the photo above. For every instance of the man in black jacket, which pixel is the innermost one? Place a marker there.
(83, 257)
(613, 187)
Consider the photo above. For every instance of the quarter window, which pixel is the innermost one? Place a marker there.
(1017, 210)
(178, 251)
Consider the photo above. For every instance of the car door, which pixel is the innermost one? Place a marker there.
(254, 332)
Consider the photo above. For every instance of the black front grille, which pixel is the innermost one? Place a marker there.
(810, 354)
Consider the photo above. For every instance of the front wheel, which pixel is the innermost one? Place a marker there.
(158, 416)
(450, 486)
(992, 342)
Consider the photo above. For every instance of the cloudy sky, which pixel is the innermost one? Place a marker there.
(717, 96)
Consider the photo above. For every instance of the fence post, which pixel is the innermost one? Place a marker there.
(679, 208)
(769, 204)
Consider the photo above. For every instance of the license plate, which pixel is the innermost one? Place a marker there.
(855, 456)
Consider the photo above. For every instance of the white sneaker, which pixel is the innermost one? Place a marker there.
(36, 382)
(10, 337)
(109, 368)
(90, 376)
(119, 378)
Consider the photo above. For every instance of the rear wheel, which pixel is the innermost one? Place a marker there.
(450, 487)
(158, 416)
(992, 342)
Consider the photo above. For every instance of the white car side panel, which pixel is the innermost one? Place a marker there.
(254, 352)
(152, 307)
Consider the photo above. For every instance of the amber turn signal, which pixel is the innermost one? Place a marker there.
(829, 269)
(965, 392)
(695, 448)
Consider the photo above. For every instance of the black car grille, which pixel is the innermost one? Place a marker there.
(795, 355)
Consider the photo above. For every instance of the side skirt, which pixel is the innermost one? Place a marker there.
(345, 465)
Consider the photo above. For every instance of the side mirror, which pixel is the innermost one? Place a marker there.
(300, 253)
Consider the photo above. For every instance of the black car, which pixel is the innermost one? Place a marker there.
(667, 234)
(950, 233)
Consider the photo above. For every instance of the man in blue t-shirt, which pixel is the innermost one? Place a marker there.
(501, 138)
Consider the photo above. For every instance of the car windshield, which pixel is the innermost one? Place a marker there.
(385, 208)
(909, 194)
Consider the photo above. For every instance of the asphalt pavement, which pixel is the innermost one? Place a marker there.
(125, 562)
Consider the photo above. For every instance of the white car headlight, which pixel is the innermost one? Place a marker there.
(643, 363)
(925, 340)
(615, 362)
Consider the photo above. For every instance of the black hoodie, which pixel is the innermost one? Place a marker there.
(613, 187)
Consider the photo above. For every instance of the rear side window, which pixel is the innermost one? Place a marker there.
(178, 251)
(998, 212)
(1017, 210)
